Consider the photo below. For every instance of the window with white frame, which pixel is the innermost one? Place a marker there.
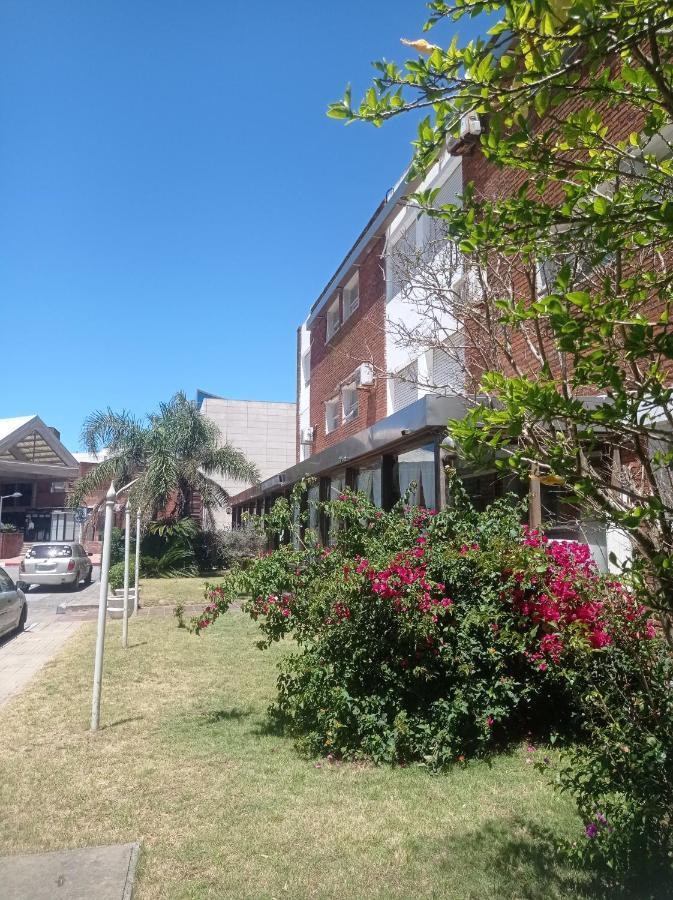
(351, 296)
(447, 372)
(405, 386)
(333, 319)
(401, 259)
(331, 415)
(448, 193)
(306, 366)
(349, 398)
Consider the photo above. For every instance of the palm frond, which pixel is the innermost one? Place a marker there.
(105, 428)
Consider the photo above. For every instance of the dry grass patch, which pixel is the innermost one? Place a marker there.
(187, 764)
(170, 591)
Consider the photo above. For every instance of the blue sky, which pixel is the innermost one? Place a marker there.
(172, 195)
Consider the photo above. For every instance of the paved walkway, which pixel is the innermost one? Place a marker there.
(23, 655)
(89, 873)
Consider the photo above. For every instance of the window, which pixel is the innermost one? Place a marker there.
(331, 415)
(369, 483)
(306, 366)
(448, 193)
(333, 320)
(58, 487)
(349, 396)
(6, 583)
(447, 368)
(405, 386)
(416, 467)
(351, 297)
(401, 260)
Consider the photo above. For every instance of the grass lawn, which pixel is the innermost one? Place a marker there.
(169, 591)
(223, 807)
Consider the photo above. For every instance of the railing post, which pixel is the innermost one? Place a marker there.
(127, 561)
(102, 607)
(137, 571)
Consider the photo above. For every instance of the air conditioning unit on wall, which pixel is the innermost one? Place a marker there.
(470, 125)
(365, 375)
(307, 435)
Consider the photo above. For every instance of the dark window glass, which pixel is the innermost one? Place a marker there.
(6, 583)
(50, 551)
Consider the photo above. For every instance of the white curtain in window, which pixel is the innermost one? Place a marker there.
(313, 498)
(418, 465)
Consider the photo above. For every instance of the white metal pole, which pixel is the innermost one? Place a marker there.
(1, 510)
(127, 561)
(102, 607)
(137, 572)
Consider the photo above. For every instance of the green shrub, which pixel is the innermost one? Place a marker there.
(622, 773)
(116, 576)
(241, 546)
(225, 549)
(167, 549)
(434, 637)
(117, 546)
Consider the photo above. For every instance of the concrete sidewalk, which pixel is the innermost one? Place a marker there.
(90, 873)
(25, 654)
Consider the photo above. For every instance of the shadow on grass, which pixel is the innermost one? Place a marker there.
(235, 714)
(524, 861)
(273, 724)
(122, 722)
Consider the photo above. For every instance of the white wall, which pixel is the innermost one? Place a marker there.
(407, 308)
(265, 432)
(304, 393)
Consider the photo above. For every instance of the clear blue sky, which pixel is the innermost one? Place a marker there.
(172, 195)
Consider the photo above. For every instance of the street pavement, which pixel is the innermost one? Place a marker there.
(22, 655)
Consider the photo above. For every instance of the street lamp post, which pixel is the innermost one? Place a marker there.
(102, 607)
(13, 496)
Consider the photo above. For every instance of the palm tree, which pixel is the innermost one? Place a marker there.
(172, 454)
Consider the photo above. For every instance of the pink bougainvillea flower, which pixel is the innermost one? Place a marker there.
(599, 638)
(489, 721)
(591, 830)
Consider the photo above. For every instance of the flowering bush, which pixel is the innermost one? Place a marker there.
(437, 636)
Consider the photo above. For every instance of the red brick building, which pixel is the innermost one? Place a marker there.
(372, 408)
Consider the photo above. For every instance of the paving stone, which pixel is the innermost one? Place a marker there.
(89, 873)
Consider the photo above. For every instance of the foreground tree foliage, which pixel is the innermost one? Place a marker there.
(432, 638)
(575, 262)
(172, 455)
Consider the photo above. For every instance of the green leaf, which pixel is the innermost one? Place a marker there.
(600, 206)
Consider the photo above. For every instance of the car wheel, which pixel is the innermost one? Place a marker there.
(74, 585)
(22, 618)
(87, 577)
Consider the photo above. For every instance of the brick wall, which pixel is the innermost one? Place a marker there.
(360, 339)
(493, 183)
